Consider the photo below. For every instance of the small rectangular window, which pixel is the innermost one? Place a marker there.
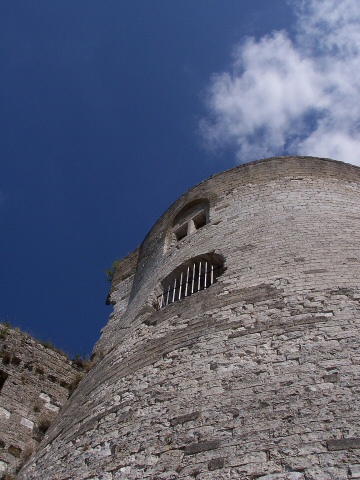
(199, 220)
(181, 232)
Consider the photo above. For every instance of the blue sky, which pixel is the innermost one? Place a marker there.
(111, 109)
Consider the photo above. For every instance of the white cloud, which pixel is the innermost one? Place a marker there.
(298, 96)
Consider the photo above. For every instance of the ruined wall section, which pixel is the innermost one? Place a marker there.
(255, 377)
(119, 296)
(34, 384)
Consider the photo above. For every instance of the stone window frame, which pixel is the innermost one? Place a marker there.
(191, 218)
(192, 276)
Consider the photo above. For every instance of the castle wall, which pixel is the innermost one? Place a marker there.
(34, 384)
(119, 296)
(254, 377)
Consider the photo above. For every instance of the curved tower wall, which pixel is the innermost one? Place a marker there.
(253, 377)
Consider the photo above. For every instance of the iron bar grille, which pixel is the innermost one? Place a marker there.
(195, 277)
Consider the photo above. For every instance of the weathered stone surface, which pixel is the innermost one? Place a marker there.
(216, 463)
(184, 418)
(267, 357)
(34, 385)
(201, 447)
(354, 471)
(343, 443)
(284, 476)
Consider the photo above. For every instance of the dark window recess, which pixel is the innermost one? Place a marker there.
(14, 451)
(191, 218)
(192, 225)
(28, 366)
(199, 220)
(181, 232)
(3, 377)
(15, 361)
(193, 276)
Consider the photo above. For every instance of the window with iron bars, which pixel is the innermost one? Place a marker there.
(196, 275)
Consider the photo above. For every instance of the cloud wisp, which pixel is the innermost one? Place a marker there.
(287, 96)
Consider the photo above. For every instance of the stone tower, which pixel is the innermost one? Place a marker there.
(233, 348)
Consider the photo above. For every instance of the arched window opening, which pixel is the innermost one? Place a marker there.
(191, 277)
(191, 218)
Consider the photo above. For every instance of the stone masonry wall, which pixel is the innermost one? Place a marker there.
(34, 384)
(119, 295)
(256, 377)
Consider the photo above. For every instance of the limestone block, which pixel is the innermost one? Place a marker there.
(354, 471)
(4, 413)
(27, 423)
(3, 467)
